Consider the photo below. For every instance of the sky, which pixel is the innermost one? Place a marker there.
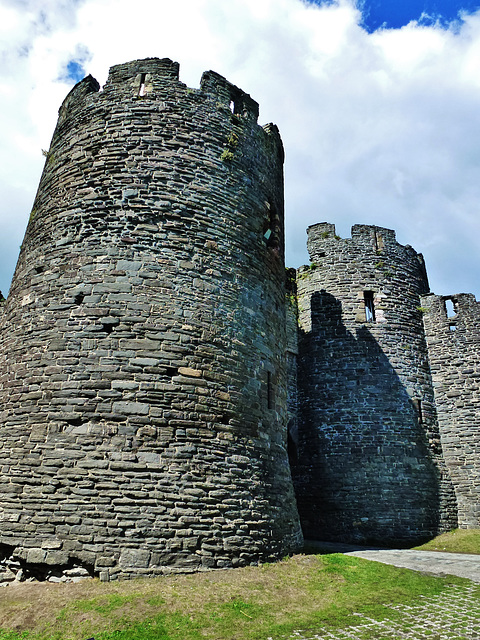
(377, 102)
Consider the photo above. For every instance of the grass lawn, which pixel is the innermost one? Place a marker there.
(254, 603)
(457, 541)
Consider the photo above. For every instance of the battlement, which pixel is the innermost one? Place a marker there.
(368, 241)
(326, 230)
(155, 78)
(457, 311)
(227, 94)
(368, 237)
(76, 98)
(163, 68)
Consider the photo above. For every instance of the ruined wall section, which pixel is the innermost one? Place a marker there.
(143, 374)
(370, 461)
(454, 349)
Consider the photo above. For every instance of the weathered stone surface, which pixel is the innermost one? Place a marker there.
(146, 359)
(453, 340)
(369, 463)
(143, 342)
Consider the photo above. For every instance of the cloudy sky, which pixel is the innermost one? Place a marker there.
(378, 104)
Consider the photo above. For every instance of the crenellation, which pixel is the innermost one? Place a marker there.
(77, 98)
(228, 96)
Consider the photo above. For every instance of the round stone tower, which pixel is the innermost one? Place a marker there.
(143, 343)
(369, 456)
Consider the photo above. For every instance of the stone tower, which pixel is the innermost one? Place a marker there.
(369, 462)
(452, 330)
(143, 341)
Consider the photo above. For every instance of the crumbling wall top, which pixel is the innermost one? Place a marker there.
(240, 103)
(162, 67)
(322, 237)
(156, 77)
(76, 97)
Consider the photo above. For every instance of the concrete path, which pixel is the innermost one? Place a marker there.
(434, 562)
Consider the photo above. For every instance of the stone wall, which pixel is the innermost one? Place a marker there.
(453, 340)
(370, 463)
(143, 372)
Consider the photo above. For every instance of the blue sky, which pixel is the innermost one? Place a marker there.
(393, 15)
(389, 14)
(378, 105)
(74, 71)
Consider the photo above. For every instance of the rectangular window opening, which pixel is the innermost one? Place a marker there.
(379, 244)
(141, 91)
(369, 306)
(270, 226)
(450, 308)
(417, 403)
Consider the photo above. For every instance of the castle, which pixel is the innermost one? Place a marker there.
(170, 400)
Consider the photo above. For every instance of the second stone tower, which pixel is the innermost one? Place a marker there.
(369, 463)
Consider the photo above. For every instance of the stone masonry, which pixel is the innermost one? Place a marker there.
(370, 463)
(143, 340)
(453, 340)
(156, 398)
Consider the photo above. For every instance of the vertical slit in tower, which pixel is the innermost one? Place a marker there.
(369, 306)
(141, 91)
(269, 390)
(269, 227)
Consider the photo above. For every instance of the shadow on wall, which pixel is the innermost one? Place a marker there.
(364, 472)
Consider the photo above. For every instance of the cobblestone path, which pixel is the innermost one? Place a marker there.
(453, 615)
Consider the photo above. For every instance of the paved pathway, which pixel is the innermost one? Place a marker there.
(452, 615)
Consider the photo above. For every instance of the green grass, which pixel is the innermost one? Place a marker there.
(457, 541)
(254, 603)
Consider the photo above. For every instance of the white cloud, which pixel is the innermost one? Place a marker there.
(378, 128)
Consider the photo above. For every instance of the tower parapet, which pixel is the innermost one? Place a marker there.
(143, 343)
(370, 465)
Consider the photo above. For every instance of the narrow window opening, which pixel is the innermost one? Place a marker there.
(452, 326)
(171, 371)
(232, 106)
(379, 244)
(450, 308)
(269, 226)
(141, 91)
(292, 442)
(270, 394)
(79, 298)
(369, 306)
(107, 327)
(417, 403)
